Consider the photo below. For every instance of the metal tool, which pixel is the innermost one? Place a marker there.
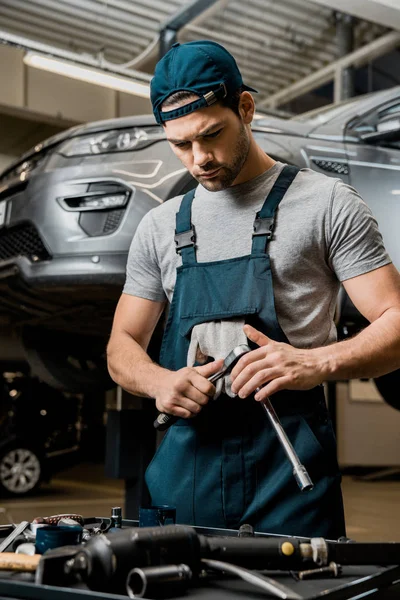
(267, 584)
(13, 535)
(332, 570)
(164, 421)
(299, 471)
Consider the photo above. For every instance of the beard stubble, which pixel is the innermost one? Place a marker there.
(228, 173)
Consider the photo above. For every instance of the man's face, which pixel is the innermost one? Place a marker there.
(212, 143)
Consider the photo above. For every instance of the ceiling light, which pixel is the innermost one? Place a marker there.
(87, 74)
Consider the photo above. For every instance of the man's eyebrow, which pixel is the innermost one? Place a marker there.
(209, 129)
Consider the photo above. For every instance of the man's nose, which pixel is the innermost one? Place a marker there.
(201, 155)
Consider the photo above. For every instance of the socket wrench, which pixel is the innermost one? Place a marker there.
(164, 420)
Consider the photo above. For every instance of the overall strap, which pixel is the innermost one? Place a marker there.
(264, 222)
(185, 234)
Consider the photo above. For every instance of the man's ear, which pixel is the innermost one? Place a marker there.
(247, 107)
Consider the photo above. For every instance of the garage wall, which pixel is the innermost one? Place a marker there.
(5, 160)
(57, 99)
(368, 429)
(35, 104)
(17, 135)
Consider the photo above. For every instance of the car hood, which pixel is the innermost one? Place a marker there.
(87, 128)
(284, 126)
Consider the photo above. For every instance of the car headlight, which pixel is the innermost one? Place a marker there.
(23, 169)
(120, 140)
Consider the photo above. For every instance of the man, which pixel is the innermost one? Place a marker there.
(255, 255)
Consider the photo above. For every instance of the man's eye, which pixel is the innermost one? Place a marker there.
(181, 144)
(214, 134)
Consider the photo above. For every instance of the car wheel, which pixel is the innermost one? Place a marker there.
(389, 387)
(67, 362)
(20, 470)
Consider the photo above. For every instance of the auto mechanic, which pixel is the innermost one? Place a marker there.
(255, 254)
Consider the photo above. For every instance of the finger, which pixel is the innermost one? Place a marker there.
(202, 385)
(176, 411)
(256, 336)
(182, 413)
(198, 396)
(274, 386)
(210, 368)
(260, 378)
(246, 360)
(190, 404)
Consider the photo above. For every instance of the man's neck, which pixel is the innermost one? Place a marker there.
(257, 162)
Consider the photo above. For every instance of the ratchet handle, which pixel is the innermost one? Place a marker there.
(164, 421)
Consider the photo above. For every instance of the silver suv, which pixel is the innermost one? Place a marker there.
(69, 209)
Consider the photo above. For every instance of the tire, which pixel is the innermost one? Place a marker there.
(67, 362)
(20, 470)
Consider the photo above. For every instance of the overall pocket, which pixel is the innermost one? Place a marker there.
(170, 475)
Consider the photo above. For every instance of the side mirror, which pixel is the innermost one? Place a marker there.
(385, 131)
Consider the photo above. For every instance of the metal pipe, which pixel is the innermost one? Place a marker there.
(27, 44)
(345, 45)
(383, 12)
(85, 40)
(252, 49)
(285, 49)
(121, 30)
(299, 471)
(287, 25)
(169, 29)
(359, 57)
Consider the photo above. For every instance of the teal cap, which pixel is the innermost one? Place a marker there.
(204, 68)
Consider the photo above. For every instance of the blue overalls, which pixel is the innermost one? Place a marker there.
(226, 467)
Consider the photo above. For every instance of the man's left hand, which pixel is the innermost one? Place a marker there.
(276, 366)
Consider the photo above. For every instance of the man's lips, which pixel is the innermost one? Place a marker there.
(209, 174)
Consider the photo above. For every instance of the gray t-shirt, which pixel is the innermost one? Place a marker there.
(324, 234)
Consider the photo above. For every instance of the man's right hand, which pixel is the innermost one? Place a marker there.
(183, 393)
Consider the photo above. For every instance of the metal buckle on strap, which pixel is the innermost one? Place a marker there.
(263, 226)
(213, 97)
(185, 239)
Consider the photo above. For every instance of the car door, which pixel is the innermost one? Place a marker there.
(373, 150)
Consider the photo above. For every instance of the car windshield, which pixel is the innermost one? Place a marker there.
(322, 115)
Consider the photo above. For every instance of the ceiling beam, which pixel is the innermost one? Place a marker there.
(360, 57)
(384, 12)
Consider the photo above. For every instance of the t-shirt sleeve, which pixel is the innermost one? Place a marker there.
(355, 244)
(143, 274)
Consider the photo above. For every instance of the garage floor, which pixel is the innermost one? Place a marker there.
(371, 507)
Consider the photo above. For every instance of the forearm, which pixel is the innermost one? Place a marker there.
(373, 352)
(131, 367)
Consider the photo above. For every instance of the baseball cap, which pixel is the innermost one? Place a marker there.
(204, 68)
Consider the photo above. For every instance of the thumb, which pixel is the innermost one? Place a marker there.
(256, 336)
(210, 368)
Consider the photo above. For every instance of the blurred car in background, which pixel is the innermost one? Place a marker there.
(40, 432)
(69, 209)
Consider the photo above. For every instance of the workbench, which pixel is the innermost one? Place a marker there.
(378, 582)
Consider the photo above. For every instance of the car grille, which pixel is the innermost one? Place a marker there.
(114, 218)
(331, 166)
(22, 240)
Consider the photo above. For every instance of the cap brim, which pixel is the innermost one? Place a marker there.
(247, 88)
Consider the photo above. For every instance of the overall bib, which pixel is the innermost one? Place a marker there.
(226, 467)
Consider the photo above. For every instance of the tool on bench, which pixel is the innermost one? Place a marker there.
(147, 560)
(164, 421)
(133, 560)
(10, 561)
(13, 535)
(332, 570)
